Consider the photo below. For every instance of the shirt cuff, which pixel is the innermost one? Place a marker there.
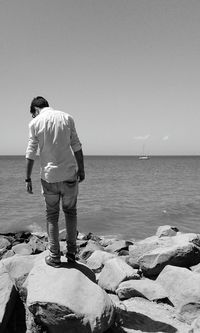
(30, 156)
(76, 147)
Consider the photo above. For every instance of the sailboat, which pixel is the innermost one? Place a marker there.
(143, 156)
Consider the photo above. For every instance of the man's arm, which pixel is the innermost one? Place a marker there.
(29, 167)
(80, 162)
(30, 156)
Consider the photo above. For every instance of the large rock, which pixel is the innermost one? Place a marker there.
(140, 315)
(154, 253)
(106, 241)
(23, 249)
(37, 244)
(8, 254)
(183, 288)
(166, 230)
(114, 272)
(98, 259)
(20, 266)
(195, 327)
(91, 246)
(7, 298)
(4, 245)
(67, 299)
(143, 288)
(118, 245)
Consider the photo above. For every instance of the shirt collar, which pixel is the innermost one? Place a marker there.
(46, 109)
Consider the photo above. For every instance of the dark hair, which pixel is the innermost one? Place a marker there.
(39, 102)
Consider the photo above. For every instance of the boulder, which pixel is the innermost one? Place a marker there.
(93, 237)
(18, 237)
(98, 259)
(146, 288)
(140, 315)
(181, 250)
(138, 249)
(81, 236)
(41, 235)
(5, 244)
(68, 299)
(91, 246)
(22, 249)
(183, 289)
(18, 266)
(195, 327)
(132, 262)
(106, 241)
(114, 272)
(8, 254)
(37, 244)
(118, 245)
(166, 230)
(8, 296)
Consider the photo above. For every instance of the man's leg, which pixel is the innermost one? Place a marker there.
(52, 201)
(69, 200)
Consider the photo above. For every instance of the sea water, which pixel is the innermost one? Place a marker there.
(121, 196)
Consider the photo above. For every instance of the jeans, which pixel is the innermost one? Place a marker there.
(67, 192)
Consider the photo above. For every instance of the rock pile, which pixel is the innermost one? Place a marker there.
(115, 286)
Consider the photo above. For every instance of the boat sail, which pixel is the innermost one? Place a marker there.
(143, 156)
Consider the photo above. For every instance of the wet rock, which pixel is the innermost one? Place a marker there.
(183, 289)
(146, 288)
(166, 230)
(18, 266)
(141, 315)
(182, 250)
(8, 254)
(98, 259)
(195, 327)
(22, 249)
(114, 272)
(5, 244)
(67, 299)
(118, 246)
(37, 244)
(91, 246)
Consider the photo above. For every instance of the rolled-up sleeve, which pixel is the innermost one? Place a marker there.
(75, 142)
(32, 147)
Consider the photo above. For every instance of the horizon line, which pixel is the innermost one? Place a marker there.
(113, 155)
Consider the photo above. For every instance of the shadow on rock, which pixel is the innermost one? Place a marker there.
(137, 321)
(82, 268)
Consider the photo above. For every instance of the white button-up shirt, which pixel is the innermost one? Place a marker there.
(55, 134)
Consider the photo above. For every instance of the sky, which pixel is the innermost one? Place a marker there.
(126, 70)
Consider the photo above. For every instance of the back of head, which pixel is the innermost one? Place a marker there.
(39, 102)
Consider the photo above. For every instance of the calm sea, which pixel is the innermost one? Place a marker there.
(121, 196)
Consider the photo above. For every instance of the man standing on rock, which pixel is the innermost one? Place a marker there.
(62, 167)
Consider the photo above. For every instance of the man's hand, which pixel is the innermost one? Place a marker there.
(29, 187)
(80, 175)
(80, 162)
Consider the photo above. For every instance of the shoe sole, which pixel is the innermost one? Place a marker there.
(52, 264)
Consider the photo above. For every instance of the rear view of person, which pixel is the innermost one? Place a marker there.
(62, 168)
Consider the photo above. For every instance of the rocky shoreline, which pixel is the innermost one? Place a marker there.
(115, 286)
